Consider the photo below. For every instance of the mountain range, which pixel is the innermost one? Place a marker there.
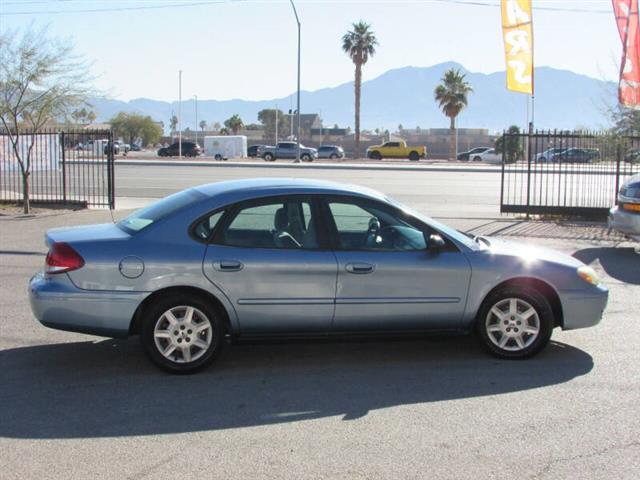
(563, 100)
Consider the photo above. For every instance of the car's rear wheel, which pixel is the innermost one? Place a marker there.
(268, 157)
(515, 322)
(414, 157)
(182, 333)
(218, 157)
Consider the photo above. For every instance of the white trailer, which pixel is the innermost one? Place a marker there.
(222, 147)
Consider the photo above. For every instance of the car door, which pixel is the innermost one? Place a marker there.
(388, 277)
(286, 150)
(267, 257)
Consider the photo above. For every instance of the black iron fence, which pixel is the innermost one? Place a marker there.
(565, 173)
(70, 168)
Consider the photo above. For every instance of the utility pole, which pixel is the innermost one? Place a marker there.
(180, 114)
(295, 12)
(196, 97)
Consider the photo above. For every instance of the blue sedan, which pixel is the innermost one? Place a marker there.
(287, 257)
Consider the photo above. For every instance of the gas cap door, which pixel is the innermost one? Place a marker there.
(131, 267)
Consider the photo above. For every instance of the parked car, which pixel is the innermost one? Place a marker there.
(136, 147)
(114, 147)
(465, 156)
(549, 155)
(189, 149)
(632, 156)
(288, 150)
(122, 147)
(260, 258)
(252, 151)
(578, 155)
(330, 151)
(625, 216)
(488, 156)
(397, 150)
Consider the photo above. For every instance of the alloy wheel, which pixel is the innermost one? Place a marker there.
(512, 324)
(183, 334)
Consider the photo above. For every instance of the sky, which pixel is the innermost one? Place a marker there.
(248, 48)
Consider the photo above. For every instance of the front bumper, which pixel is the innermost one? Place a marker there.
(582, 309)
(57, 303)
(625, 222)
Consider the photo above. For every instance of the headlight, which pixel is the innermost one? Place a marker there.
(588, 274)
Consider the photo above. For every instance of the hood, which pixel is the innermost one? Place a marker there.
(529, 253)
(83, 233)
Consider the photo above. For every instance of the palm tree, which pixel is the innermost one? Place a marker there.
(202, 125)
(451, 96)
(234, 123)
(359, 44)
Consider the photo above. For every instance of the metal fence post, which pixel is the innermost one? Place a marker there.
(529, 168)
(504, 133)
(618, 157)
(64, 169)
(110, 172)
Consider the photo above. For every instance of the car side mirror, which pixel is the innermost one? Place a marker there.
(434, 241)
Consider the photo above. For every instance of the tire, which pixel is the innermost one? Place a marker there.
(333, 156)
(180, 337)
(305, 157)
(217, 157)
(542, 159)
(414, 156)
(498, 308)
(268, 157)
(376, 156)
(477, 159)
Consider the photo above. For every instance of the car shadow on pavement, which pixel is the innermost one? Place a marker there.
(108, 388)
(620, 263)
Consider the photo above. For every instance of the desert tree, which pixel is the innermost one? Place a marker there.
(452, 96)
(41, 79)
(203, 125)
(360, 44)
(133, 126)
(234, 123)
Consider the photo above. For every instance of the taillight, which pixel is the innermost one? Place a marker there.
(62, 258)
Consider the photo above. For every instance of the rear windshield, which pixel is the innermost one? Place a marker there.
(158, 210)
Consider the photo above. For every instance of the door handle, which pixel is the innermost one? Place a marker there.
(359, 268)
(228, 265)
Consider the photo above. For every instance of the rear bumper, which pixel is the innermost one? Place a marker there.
(625, 222)
(582, 309)
(57, 303)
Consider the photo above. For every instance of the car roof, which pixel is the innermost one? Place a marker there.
(256, 187)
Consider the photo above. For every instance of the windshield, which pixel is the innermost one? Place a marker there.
(158, 210)
(459, 237)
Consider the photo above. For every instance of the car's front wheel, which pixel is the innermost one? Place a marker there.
(182, 333)
(515, 322)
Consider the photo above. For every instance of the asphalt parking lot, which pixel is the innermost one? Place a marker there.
(75, 406)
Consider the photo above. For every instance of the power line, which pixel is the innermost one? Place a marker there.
(550, 9)
(121, 9)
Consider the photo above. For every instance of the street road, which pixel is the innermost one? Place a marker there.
(460, 193)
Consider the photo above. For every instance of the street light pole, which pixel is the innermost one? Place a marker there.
(196, 97)
(295, 12)
(276, 124)
(180, 114)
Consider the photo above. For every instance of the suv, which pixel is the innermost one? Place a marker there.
(330, 151)
(189, 149)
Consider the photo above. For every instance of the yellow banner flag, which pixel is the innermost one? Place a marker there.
(517, 29)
